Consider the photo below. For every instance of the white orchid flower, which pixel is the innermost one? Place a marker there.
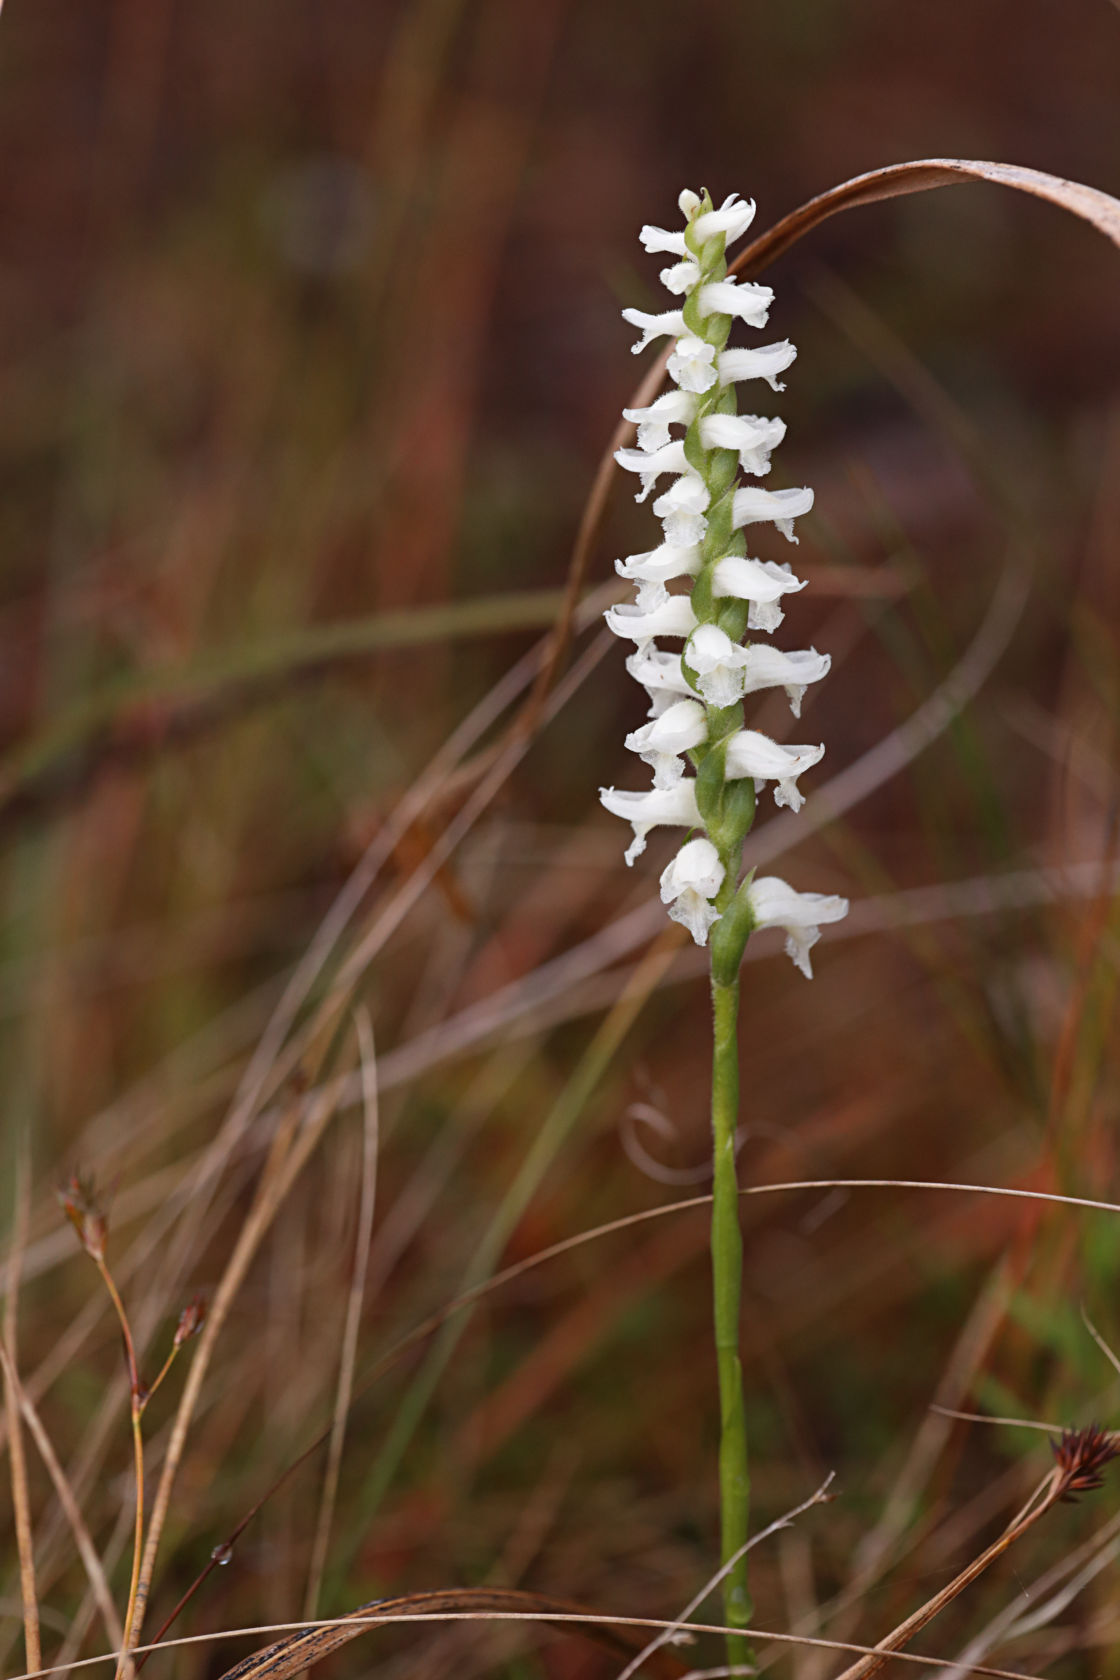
(676, 730)
(675, 408)
(740, 299)
(659, 673)
(669, 615)
(688, 885)
(751, 436)
(732, 219)
(650, 465)
(714, 672)
(658, 566)
(761, 582)
(693, 364)
(718, 663)
(669, 324)
(766, 361)
(674, 806)
(769, 667)
(773, 903)
(763, 760)
(681, 277)
(753, 505)
(681, 510)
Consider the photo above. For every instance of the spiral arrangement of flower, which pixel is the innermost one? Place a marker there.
(721, 596)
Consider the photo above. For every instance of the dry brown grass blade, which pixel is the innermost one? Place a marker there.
(86, 1549)
(355, 1300)
(897, 180)
(299, 1650)
(583, 1618)
(1081, 1456)
(21, 1500)
(294, 1143)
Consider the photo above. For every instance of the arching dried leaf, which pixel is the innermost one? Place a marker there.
(1092, 205)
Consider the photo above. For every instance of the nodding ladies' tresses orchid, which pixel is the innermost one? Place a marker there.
(700, 590)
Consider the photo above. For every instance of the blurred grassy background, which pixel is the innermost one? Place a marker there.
(310, 345)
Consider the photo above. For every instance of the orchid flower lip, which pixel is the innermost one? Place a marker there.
(692, 364)
(682, 510)
(719, 664)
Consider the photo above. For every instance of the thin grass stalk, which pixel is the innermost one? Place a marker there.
(82, 1540)
(82, 1619)
(136, 1412)
(291, 1150)
(348, 1357)
(21, 1500)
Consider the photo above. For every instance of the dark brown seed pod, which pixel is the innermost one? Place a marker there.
(1081, 1456)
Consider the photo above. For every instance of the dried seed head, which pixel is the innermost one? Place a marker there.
(87, 1215)
(191, 1320)
(1081, 1456)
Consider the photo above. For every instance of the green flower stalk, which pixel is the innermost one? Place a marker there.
(719, 597)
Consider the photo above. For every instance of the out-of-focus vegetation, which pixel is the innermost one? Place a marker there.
(310, 347)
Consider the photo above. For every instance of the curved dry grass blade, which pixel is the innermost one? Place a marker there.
(299, 1651)
(355, 1301)
(559, 1619)
(989, 1417)
(1099, 209)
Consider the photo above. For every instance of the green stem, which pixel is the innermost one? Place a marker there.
(727, 1269)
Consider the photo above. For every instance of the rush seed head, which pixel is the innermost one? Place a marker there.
(1081, 1456)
